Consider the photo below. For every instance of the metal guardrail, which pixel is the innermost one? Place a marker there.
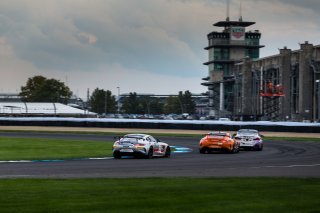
(159, 124)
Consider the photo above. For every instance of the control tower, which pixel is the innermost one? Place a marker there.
(226, 48)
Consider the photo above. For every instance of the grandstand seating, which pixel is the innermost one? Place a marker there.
(41, 109)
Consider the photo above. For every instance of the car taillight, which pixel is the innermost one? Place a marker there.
(257, 139)
(139, 144)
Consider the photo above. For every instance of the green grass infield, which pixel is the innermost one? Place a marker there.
(156, 134)
(160, 195)
(47, 149)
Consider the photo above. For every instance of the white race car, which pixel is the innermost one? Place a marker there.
(249, 139)
(140, 145)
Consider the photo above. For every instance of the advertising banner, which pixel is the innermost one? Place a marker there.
(237, 33)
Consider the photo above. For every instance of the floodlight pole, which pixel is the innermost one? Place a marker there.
(318, 82)
(118, 102)
(105, 103)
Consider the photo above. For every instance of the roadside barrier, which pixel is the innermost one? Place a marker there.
(164, 124)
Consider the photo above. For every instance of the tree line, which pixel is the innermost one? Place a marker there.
(41, 89)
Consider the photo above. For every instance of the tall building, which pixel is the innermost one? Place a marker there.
(243, 86)
(225, 49)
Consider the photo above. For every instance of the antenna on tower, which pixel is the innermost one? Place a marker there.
(240, 11)
(228, 10)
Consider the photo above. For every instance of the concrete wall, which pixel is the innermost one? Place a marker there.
(285, 79)
(246, 93)
(237, 53)
(305, 82)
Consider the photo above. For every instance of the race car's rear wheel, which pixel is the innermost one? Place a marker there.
(116, 155)
(257, 147)
(260, 148)
(150, 153)
(203, 150)
(168, 152)
(235, 149)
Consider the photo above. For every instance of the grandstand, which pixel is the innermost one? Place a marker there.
(15, 109)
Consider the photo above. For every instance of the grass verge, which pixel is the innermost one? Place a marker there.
(198, 136)
(160, 195)
(46, 149)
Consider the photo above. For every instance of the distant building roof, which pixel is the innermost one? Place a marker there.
(234, 23)
(23, 108)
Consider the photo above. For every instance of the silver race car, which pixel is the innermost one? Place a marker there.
(140, 145)
(249, 139)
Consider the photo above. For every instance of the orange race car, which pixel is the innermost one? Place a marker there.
(218, 141)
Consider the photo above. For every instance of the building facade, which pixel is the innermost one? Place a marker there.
(280, 87)
(242, 86)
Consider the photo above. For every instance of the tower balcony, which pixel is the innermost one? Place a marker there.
(234, 23)
(206, 78)
(222, 61)
(207, 84)
(233, 44)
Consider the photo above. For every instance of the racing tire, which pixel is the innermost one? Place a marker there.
(260, 148)
(116, 155)
(203, 151)
(150, 153)
(238, 149)
(168, 152)
(234, 149)
(257, 148)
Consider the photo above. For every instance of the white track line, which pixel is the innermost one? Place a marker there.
(288, 166)
(179, 149)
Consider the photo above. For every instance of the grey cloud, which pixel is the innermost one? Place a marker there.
(310, 4)
(51, 46)
(162, 36)
(53, 42)
(313, 5)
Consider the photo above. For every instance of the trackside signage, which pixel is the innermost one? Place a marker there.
(237, 33)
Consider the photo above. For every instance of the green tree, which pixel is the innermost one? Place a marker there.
(145, 104)
(189, 105)
(132, 104)
(41, 89)
(183, 103)
(156, 106)
(151, 105)
(172, 105)
(102, 101)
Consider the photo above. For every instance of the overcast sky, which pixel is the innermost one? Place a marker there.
(144, 46)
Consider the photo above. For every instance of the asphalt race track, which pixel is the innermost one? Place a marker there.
(278, 159)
